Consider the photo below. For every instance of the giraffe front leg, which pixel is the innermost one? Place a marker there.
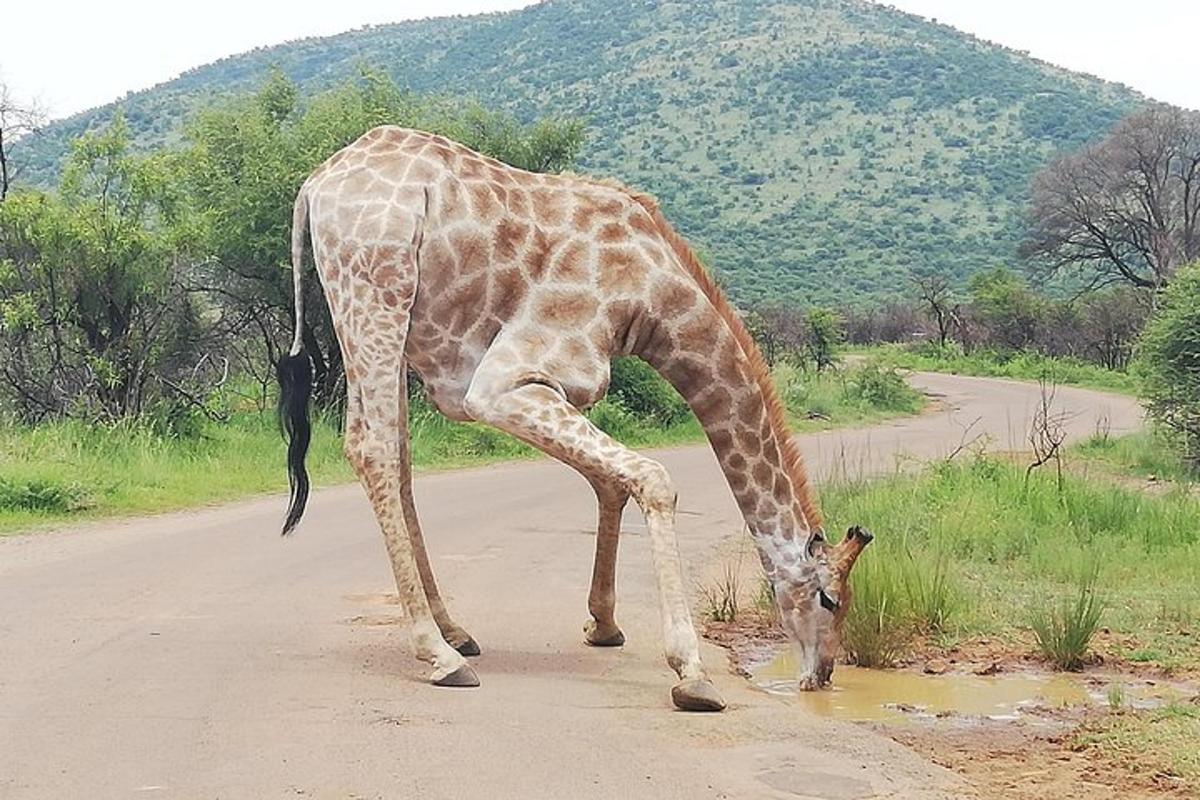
(602, 629)
(539, 415)
(655, 494)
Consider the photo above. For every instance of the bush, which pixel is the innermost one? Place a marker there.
(644, 393)
(882, 388)
(1169, 363)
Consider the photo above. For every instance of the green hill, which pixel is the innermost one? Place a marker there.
(814, 150)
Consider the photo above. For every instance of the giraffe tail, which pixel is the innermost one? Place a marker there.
(294, 372)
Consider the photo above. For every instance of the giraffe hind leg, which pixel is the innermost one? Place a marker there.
(451, 631)
(372, 329)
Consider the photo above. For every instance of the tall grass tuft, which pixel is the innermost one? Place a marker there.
(722, 600)
(1064, 631)
(877, 632)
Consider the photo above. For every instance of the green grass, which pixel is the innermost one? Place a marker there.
(1028, 366)
(1008, 550)
(1159, 744)
(1144, 456)
(70, 470)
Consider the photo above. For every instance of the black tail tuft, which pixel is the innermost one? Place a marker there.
(295, 387)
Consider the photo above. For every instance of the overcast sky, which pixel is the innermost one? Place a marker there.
(74, 55)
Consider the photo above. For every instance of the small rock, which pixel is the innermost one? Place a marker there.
(936, 667)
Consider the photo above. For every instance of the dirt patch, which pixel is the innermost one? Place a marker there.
(1047, 752)
(1039, 760)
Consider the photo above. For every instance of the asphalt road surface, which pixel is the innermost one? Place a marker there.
(198, 655)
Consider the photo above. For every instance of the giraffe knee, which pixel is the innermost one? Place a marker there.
(653, 488)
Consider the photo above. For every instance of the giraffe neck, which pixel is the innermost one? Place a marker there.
(700, 354)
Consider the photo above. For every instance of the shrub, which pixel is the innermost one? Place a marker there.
(883, 388)
(644, 393)
(1169, 363)
(37, 494)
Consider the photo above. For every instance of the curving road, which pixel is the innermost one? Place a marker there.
(197, 655)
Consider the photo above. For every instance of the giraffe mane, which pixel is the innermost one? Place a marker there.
(792, 458)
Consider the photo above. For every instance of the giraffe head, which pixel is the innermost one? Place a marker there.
(813, 596)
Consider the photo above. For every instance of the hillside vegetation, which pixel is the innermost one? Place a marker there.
(813, 150)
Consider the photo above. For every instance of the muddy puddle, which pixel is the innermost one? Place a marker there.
(900, 695)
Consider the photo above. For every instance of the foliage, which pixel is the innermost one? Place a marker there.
(1127, 208)
(1064, 631)
(1003, 305)
(1006, 548)
(816, 150)
(1169, 363)
(93, 315)
(823, 333)
(640, 390)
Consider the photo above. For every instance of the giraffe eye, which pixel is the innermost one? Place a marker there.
(827, 602)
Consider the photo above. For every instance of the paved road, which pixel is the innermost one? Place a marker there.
(197, 655)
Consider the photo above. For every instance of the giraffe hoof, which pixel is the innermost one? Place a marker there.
(467, 647)
(594, 635)
(697, 694)
(464, 677)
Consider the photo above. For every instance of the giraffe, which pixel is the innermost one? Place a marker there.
(508, 293)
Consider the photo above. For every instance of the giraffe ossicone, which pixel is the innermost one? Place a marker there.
(509, 292)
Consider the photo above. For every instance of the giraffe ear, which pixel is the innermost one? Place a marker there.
(818, 546)
(850, 548)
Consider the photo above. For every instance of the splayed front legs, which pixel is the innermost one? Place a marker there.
(540, 415)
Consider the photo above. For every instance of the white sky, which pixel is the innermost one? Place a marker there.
(74, 55)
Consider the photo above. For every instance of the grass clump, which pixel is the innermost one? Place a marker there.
(860, 394)
(1064, 631)
(897, 597)
(722, 599)
(41, 495)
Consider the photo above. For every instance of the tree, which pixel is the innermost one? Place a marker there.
(1009, 311)
(1169, 362)
(1126, 209)
(16, 120)
(93, 316)
(935, 292)
(824, 334)
(779, 329)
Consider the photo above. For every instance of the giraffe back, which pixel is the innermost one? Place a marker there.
(569, 270)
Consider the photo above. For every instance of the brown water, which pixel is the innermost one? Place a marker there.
(896, 695)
